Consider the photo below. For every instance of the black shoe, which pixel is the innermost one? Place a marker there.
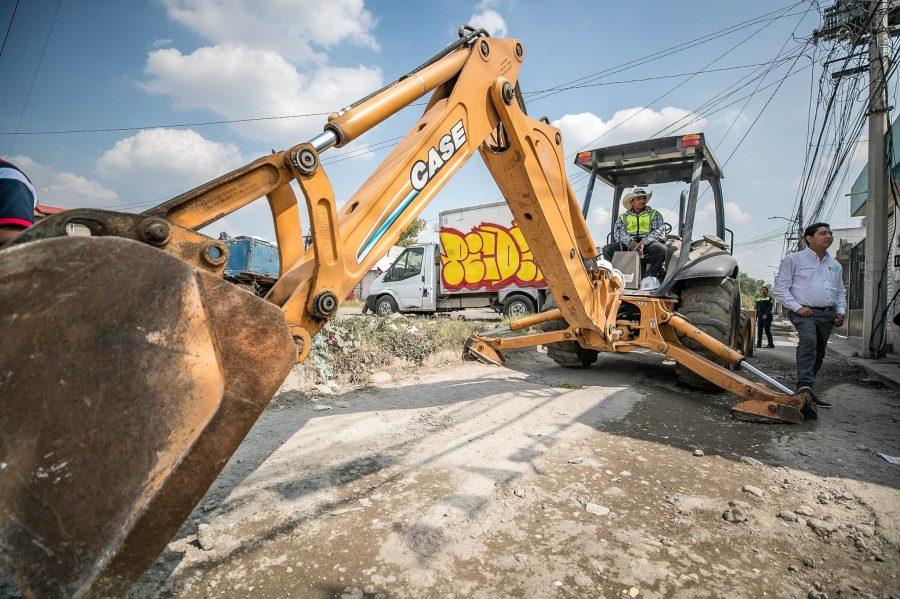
(770, 346)
(822, 402)
(759, 345)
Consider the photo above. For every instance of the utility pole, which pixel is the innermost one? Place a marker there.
(874, 285)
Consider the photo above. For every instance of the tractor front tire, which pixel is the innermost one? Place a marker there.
(713, 306)
(568, 354)
(747, 340)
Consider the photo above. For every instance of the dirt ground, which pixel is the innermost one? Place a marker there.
(469, 480)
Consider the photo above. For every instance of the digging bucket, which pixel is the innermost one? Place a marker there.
(127, 380)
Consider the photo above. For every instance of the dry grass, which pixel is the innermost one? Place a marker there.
(350, 348)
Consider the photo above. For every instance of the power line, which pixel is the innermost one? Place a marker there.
(703, 115)
(168, 125)
(556, 89)
(672, 89)
(654, 78)
(759, 82)
(762, 110)
(666, 52)
(34, 77)
(828, 109)
(9, 28)
(312, 114)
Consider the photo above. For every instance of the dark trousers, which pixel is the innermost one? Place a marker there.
(654, 255)
(763, 324)
(814, 332)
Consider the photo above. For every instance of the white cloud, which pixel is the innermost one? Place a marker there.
(737, 117)
(629, 124)
(166, 161)
(162, 42)
(63, 189)
(733, 214)
(290, 27)
(236, 82)
(489, 19)
(599, 219)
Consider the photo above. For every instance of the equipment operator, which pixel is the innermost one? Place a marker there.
(640, 229)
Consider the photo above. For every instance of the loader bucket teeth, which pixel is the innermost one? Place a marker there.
(128, 379)
(477, 349)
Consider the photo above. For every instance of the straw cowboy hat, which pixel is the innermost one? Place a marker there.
(635, 193)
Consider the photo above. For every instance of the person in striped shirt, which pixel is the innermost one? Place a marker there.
(17, 201)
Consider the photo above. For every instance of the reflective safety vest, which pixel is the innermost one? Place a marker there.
(767, 298)
(638, 224)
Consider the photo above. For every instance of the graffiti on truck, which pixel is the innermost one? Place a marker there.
(489, 257)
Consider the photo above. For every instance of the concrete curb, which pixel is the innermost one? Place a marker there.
(886, 372)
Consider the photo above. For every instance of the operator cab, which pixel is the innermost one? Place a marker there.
(642, 164)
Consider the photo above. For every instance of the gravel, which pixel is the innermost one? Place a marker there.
(205, 537)
(755, 491)
(822, 527)
(596, 509)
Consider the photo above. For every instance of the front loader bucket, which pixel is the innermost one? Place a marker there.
(127, 379)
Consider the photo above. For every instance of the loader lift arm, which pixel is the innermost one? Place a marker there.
(137, 450)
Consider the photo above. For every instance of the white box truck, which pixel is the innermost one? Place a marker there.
(481, 260)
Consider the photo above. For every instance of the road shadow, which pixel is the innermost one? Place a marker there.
(663, 413)
(265, 440)
(843, 442)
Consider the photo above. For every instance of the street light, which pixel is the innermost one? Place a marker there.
(790, 220)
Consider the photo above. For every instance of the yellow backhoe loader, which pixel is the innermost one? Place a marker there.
(130, 371)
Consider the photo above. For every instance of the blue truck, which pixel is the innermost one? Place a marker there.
(252, 263)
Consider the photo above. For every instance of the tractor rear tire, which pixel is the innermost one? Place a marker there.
(568, 354)
(713, 306)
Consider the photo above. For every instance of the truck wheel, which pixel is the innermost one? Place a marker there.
(713, 306)
(568, 354)
(516, 306)
(385, 305)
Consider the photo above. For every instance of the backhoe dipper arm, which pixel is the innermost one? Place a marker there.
(473, 108)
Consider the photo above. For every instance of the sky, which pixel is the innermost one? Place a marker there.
(145, 67)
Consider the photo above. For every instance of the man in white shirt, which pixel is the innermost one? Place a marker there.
(811, 287)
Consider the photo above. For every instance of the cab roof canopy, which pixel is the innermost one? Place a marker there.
(650, 161)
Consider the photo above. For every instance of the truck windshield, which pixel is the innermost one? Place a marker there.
(409, 264)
